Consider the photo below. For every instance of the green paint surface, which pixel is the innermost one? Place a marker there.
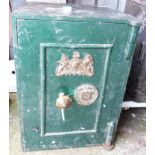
(39, 41)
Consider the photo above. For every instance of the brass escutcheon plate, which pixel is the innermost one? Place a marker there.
(85, 94)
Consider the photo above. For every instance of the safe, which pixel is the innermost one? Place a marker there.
(72, 70)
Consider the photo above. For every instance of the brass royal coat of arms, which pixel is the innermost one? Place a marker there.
(75, 66)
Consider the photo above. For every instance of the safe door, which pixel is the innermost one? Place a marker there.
(69, 89)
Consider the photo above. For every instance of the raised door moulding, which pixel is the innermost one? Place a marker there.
(87, 96)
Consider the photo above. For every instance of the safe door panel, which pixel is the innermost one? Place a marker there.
(57, 77)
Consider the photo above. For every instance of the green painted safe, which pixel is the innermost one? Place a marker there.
(71, 71)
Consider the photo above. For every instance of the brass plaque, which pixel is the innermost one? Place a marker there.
(85, 94)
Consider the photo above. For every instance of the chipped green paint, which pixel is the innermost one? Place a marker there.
(40, 37)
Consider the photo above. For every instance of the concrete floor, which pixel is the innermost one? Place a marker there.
(130, 137)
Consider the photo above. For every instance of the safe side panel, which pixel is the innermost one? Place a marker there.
(30, 34)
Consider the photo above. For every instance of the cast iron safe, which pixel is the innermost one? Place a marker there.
(72, 71)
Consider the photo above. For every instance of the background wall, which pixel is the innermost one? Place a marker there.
(136, 87)
(114, 4)
(51, 1)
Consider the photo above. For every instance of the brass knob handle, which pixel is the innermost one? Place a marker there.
(63, 101)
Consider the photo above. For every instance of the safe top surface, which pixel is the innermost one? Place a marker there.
(80, 13)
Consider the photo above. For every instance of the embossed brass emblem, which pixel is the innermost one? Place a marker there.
(85, 94)
(75, 66)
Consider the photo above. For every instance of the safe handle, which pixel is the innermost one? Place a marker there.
(63, 101)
